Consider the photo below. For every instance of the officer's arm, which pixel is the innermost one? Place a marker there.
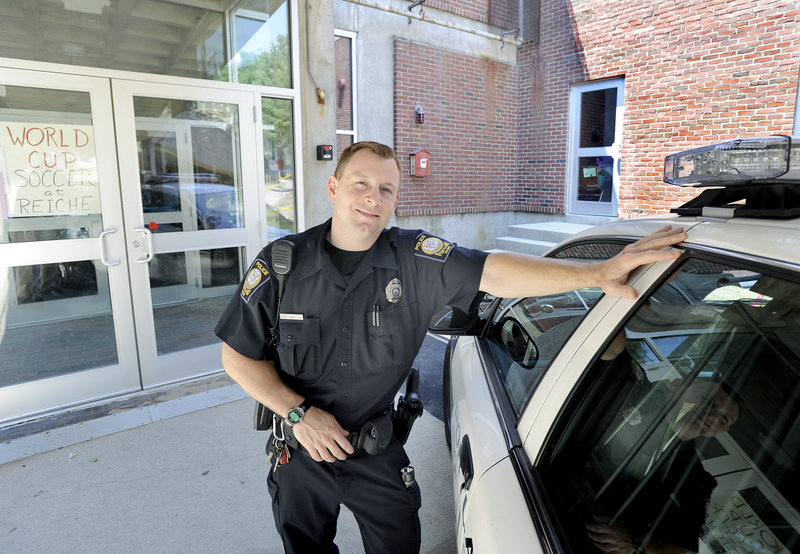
(511, 275)
(260, 380)
(319, 431)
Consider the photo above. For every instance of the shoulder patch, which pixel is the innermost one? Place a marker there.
(434, 248)
(257, 275)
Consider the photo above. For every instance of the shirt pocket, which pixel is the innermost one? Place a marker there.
(391, 336)
(299, 347)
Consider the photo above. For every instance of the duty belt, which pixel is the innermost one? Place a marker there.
(371, 438)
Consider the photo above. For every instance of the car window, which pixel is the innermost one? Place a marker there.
(685, 431)
(526, 334)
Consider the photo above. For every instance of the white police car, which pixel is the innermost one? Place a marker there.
(580, 422)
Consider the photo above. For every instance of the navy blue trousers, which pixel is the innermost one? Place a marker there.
(306, 498)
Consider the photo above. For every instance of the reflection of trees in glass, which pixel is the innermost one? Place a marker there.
(267, 68)
(277, 118)
(270, 68)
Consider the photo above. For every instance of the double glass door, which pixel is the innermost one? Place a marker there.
(122, 233)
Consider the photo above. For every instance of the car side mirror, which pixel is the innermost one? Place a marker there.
(453, 321)
(518, 344)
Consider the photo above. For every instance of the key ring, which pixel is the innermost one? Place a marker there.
(275, 427)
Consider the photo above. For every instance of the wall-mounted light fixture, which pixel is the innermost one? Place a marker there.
(420, 113)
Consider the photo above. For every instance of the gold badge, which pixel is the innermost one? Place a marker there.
(394, 291)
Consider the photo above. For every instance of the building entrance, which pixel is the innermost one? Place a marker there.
(123, 206)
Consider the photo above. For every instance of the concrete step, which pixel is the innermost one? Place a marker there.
(523, 246)
(548, 231)
(538, 238)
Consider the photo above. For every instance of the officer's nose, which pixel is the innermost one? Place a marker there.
(374, 196)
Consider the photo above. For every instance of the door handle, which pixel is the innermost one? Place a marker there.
(103, 257)
(149, 236)
(465, 462)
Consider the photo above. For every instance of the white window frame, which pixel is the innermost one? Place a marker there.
(353, 82)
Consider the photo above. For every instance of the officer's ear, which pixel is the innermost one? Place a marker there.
(332, 183)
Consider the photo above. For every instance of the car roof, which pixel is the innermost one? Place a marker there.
(776, 239)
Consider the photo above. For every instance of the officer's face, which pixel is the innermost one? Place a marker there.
(364, 199)
(705, 411)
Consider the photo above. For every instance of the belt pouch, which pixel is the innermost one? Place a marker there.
(376, 434)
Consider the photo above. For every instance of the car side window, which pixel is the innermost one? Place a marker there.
(685, 431)
(526, 334)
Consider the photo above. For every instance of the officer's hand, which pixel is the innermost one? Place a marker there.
(614, 272)
(611, 539)
(322, 436)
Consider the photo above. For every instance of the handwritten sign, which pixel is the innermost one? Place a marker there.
(733, 526)
(49, 169)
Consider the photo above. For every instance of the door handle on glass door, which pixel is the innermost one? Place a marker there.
(149, 236)
(103, 257)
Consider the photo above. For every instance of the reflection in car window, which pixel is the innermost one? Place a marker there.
(523, 352)
(685, 431)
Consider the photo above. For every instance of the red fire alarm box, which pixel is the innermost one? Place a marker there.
(420, 162)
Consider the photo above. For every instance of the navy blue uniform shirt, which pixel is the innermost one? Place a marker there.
(347, 344)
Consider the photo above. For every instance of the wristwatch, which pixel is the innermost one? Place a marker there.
(295, 415)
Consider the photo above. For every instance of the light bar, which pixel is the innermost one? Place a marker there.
(738, 162)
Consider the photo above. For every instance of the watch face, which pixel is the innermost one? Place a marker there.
(294, 416)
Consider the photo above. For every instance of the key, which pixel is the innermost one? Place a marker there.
(285, 456)
(276, 453)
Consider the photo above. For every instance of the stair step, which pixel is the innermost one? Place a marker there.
(523, 245)
(551, 231)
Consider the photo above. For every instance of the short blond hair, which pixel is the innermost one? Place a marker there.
(380, 150)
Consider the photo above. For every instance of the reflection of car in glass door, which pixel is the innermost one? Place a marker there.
(185, 171)
(187, 184)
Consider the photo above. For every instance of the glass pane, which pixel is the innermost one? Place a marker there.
(344, 84)
(56, 319)
(598, 118)
(261, 40)
(49, 189)
(189, 165)
(278, 133)
(686, 431)
(190, 290)
(185, 39)
(595, 178)
(342, 142)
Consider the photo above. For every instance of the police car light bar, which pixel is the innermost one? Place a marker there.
(739, 162)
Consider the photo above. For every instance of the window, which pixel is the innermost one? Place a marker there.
(527, 333)
(344, 53)
(685, 431)
(248, 43)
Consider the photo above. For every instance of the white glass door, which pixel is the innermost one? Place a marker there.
(122, 233)
(65, 307)
(596, 117)
(190, 181)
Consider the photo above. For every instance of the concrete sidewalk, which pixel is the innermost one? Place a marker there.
(192, 480)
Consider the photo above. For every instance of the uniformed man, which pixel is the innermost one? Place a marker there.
(351, 318)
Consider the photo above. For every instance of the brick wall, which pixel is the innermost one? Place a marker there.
(500, 13)
(470, 106)
(696, 72)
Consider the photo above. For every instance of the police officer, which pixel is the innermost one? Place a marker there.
(350, 320)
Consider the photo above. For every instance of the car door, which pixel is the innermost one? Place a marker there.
(673, 422)
(493, 377)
